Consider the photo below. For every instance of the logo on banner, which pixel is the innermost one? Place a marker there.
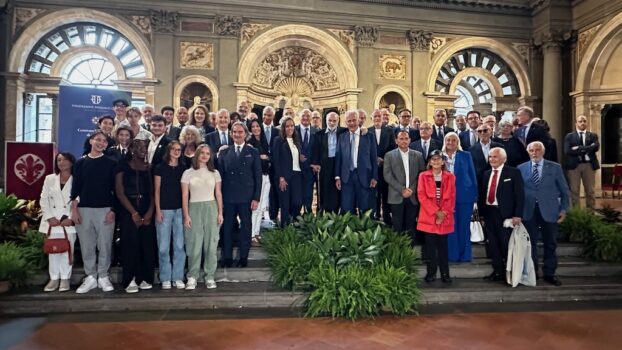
(96, 99)
(29, 168)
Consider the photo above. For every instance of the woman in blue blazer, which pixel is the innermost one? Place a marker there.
(461, 165)
(287, 157)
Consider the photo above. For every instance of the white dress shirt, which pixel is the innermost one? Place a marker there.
(406, 167)
(153, 146)
(378, 132)
(295, 154)
(492, 173)
(485, 149)
(355, 150)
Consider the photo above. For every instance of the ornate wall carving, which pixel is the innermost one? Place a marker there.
(296, 62)
(392, 67)
(164, 21)
(196, 55)
(143, 23)
(523, 50)
(365, 35)
(249, 30)
(346, 37)
(436, 44)
(228, 25)
(23, 15)
(585, 38)
(419, 39)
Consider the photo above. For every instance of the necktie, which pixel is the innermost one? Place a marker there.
(493, 187)
(535, 175)
(268, 131)
(425, 149)
(305, 139)
(123, 151)
(352, 155)
(582, 135)
(440, 132)
(238, 149)
(223, 138)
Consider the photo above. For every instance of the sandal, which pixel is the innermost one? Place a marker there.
(255, 242)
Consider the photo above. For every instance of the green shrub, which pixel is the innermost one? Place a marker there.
(607, 243)
(290, 265)
(31, 244)
(13, 266)
(11, 216)
(578, 225)
(601, 240)
(394, 253)
(402, 293)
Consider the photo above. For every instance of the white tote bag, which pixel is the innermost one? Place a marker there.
(477, 231)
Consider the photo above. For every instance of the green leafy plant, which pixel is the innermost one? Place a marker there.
(11, 216)
(609, 214)
(31, 244)
(394, 253)
(601, 240)
(13, 266)
(402, 293)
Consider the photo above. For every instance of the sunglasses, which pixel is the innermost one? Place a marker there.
(484, 131)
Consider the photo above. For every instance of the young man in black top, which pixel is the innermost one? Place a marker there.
(92, 210)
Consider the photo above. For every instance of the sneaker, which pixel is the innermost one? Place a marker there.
(192, 283)
(105, 284)
(166, 285)
(89, 283)
(145, 285)
(64, 285)
(210, 284)
(51, 286)
(132, 287)
(179, 284)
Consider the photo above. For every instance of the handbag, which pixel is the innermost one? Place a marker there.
(477, 231)
(58, 245)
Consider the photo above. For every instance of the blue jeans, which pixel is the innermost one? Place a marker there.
(173, 221)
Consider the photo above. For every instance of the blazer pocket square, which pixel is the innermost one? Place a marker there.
(506, 180)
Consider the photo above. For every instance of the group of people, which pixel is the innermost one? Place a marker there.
(183, 179)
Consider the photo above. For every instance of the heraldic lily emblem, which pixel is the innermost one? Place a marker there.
(29, 168)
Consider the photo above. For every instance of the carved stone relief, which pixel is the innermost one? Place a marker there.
(23, 15)
(436, 44)
(365, 35)
(523, 50)
(164, 21)
(143, 23)
(392, 67)
(296, 62)
(585, 38)
(228, 25)
(249, 30)
(346, 37)
(419, 39)
(196, 55)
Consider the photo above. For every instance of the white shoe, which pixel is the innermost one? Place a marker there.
(145, 285)
(166, 285)
(210, 284)
(89, 283)
(179, 284)
(51, 286)
(64, 285)
(105, 284)
(192, 283)
(132, 287)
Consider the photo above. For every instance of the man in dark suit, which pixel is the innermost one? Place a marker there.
(323, 161)
(147, 110)
(427, 144)
(529, 131)
(182, 116)
(385, 142)
(501, 197)
(401, 172)
(219, 137)
(271, 133)
(307, 136)
(469, 137)
(480, 150)
(546, 204)
(356, 169)
(158, 141)
(172, 132)
(240, 168)
(580, 148)
(405, 117)
(440, 129)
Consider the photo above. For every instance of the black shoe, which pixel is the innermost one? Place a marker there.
(243, 262)
(553, 280)
(494, 277)
(430, 278)
(228, 262)
(446, 279)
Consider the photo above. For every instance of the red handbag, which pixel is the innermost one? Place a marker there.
(58, 245)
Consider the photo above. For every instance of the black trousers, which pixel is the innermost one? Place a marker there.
(405, 218)
(274, 197)
(498, 238)
(291, 199)
(382, 193)
(137, 248)
(231, 211)
(329, 195)
(436, 251)
(538, 228)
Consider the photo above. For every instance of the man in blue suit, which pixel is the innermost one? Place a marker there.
(219, 137)
(546, 203)
(307, 137)
(356, 168)
(240, 168)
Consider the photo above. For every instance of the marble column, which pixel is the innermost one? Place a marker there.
(14, 103)
(552, 86)
(420, 66)
(366, 38)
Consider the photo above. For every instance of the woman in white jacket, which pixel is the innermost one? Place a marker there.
(56, 210)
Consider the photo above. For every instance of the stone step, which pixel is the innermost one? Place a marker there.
(263, 295)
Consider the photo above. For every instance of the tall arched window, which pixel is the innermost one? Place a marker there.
(90, 70)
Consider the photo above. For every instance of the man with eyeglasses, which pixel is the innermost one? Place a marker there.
(120, 109)
(469, 137)
(427, 144)
(480, 150)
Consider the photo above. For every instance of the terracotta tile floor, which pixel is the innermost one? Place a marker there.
(581, 330)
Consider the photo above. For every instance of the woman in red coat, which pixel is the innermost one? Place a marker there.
(437, 197)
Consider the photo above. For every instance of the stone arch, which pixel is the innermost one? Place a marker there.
(31, 34)
(488, 76)
(510, 56)
(307, 37)
(393, 88)
(183, 82)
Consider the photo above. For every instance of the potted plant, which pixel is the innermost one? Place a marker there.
(14, 269)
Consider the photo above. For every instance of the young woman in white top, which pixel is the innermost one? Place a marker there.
(287, 155)
(202, 210)
(55, 213)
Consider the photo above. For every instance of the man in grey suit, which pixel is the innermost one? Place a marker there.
(580, 148)
(546, 203)
(401, 172)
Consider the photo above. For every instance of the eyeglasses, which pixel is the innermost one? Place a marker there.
(120, 105)
(176, 149)
(483, 131)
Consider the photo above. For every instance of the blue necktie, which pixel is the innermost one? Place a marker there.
(352, 155)
(535, 175)
(305, 139)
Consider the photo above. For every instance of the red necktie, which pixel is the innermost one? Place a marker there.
(493, 187)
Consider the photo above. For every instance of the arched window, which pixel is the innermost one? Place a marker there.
(464, 103)
(90, 70)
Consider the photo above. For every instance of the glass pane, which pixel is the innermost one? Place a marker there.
(43, 51)
(495, 69)
(120, 45)
(45, 136)
(55, 39)
(485, 61)
(52, 57)
(45, 121)
(503, 79)
(508, 90)
(131, 56)
(139, 72)
(90, 38)
(45, 105)
(35, 66)
(46, 69)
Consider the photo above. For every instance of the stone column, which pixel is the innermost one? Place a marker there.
(552, 84)
(365, 37)
(55, 117)
(228, 27)
(420, 66)
(164, 24)
(14, 102)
